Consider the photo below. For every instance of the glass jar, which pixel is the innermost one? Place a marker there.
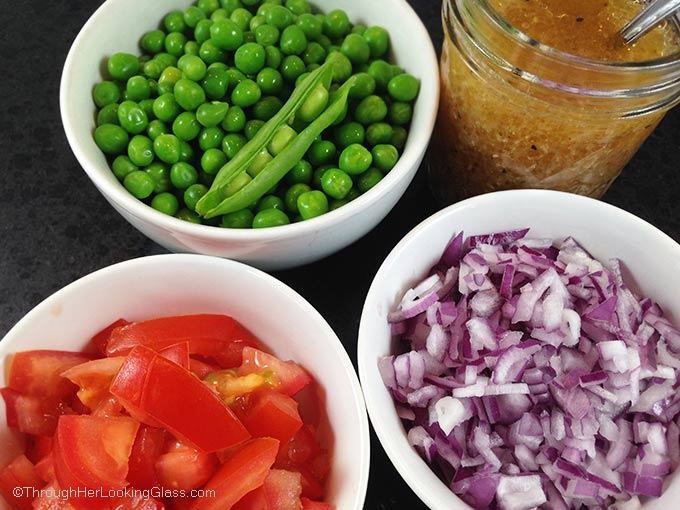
(518, 114)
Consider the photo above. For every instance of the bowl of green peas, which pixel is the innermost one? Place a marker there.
(274, 132)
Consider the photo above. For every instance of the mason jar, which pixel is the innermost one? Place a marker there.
(516, 113)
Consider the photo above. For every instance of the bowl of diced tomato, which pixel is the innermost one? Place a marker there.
(179, 382)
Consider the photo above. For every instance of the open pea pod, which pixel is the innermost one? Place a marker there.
(277, 168)
(242, 160)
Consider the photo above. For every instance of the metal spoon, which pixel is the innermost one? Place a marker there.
(649, 17)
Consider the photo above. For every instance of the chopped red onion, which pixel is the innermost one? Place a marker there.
(532, 377)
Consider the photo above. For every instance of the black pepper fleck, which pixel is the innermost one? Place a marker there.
(533, 147)
(579, 20)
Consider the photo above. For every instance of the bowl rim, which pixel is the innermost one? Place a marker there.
(406, 167)
(397, 448)
(340, 355)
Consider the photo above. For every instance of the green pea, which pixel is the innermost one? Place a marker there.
(290, 198)
(300, 173)
(211, 114)
(185, 214)
(282, 137)
(293, 40)
(192, 67)
(384, 157)
(324, 41)
(152, 69)
(238, 219)
(280, 17)
(292, 67)
(355, 159)
(355, 48)
(140, 150)
(230, 5)
(153, 42)
(378, 133)
(174, 21)
(210, 138)
(273, 57)
(400, 113)
(147, 106)
(174, 43)
(122, 166)
(250, 58)
(202, 32)
(139, 184)
(267, 35)
(315, 103)
(267, 107)
(370, 110)
(169, 77)
(105, 93)
(166, 203)
(193, 194)
(403, 87)
(298, 7)
(311, 204)
(256, 21)
(191, 48)
(342, 66)
(215, 83)
(252, 127)
(322, 153)
(363, 86)
(219, 14)
(318, 174)
(212, 160)
(260, 161)
(301, 78)
(165, 59)
(310, 25)
(183, 175)
(270, 202)
(241, 17)
(189, 94)
(313, 54)
(232, 143)
(270, 81)
(108, 115)
(160, 175)
(399, 135)
(368, 179)
(235, 77)
(246, 93)
(237, 183)
(270, 218)
(156, 127)
(378, 41)
(165, 107)
(186, 126)
(382, 73)
(349, 133)
(211, 53)
(167, 148)
(208, 6)
(234, 120)
(192, 15)
(335, 183)
(226, 34)
(186, 153)
(336, 24)
(122, 66)
(132, 117)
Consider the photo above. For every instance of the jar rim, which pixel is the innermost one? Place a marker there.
(656, 64)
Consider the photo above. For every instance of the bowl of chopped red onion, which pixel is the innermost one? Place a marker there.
(519, 350)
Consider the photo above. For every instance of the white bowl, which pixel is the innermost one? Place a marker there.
(604, 230)
(164, 285)
(117, 26)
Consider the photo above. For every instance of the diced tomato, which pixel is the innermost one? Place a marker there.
(39, 372)
(272, 414)
(137, 502)
(244, 471)
(254, 500)
(311, 486)
(218, 336)
(94, 378)
(20, 473)
(38, 447)
(52, 497)
(160, 392)
(108, 407)
(320, 465)
(202, 368)
(32, 414)
(308, 504)
(98, 342)
(301, 449)
(149, 445)
(286, 376)
(44, 468)
(185, 468)
(282, 489)
(92, 452)
(179, 353)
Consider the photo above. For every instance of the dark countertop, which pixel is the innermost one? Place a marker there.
(56, 227)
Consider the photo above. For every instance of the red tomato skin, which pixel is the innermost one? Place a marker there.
(160, 392)
(97, 343)
(32, 414)
(44, 468)
(39, 372)
(311, 487)
(254, 500)
(148, 446)
(92, 452)
(185, 469)
(208, 335)
(290, 376)
(300, 450)
(308, 504)
(201, 368)
(242, 472)
(272, 414)
(19, 473)
(93, 379)
(179, 353)
(38, 448)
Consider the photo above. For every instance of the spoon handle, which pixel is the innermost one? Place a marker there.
(653, 14)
